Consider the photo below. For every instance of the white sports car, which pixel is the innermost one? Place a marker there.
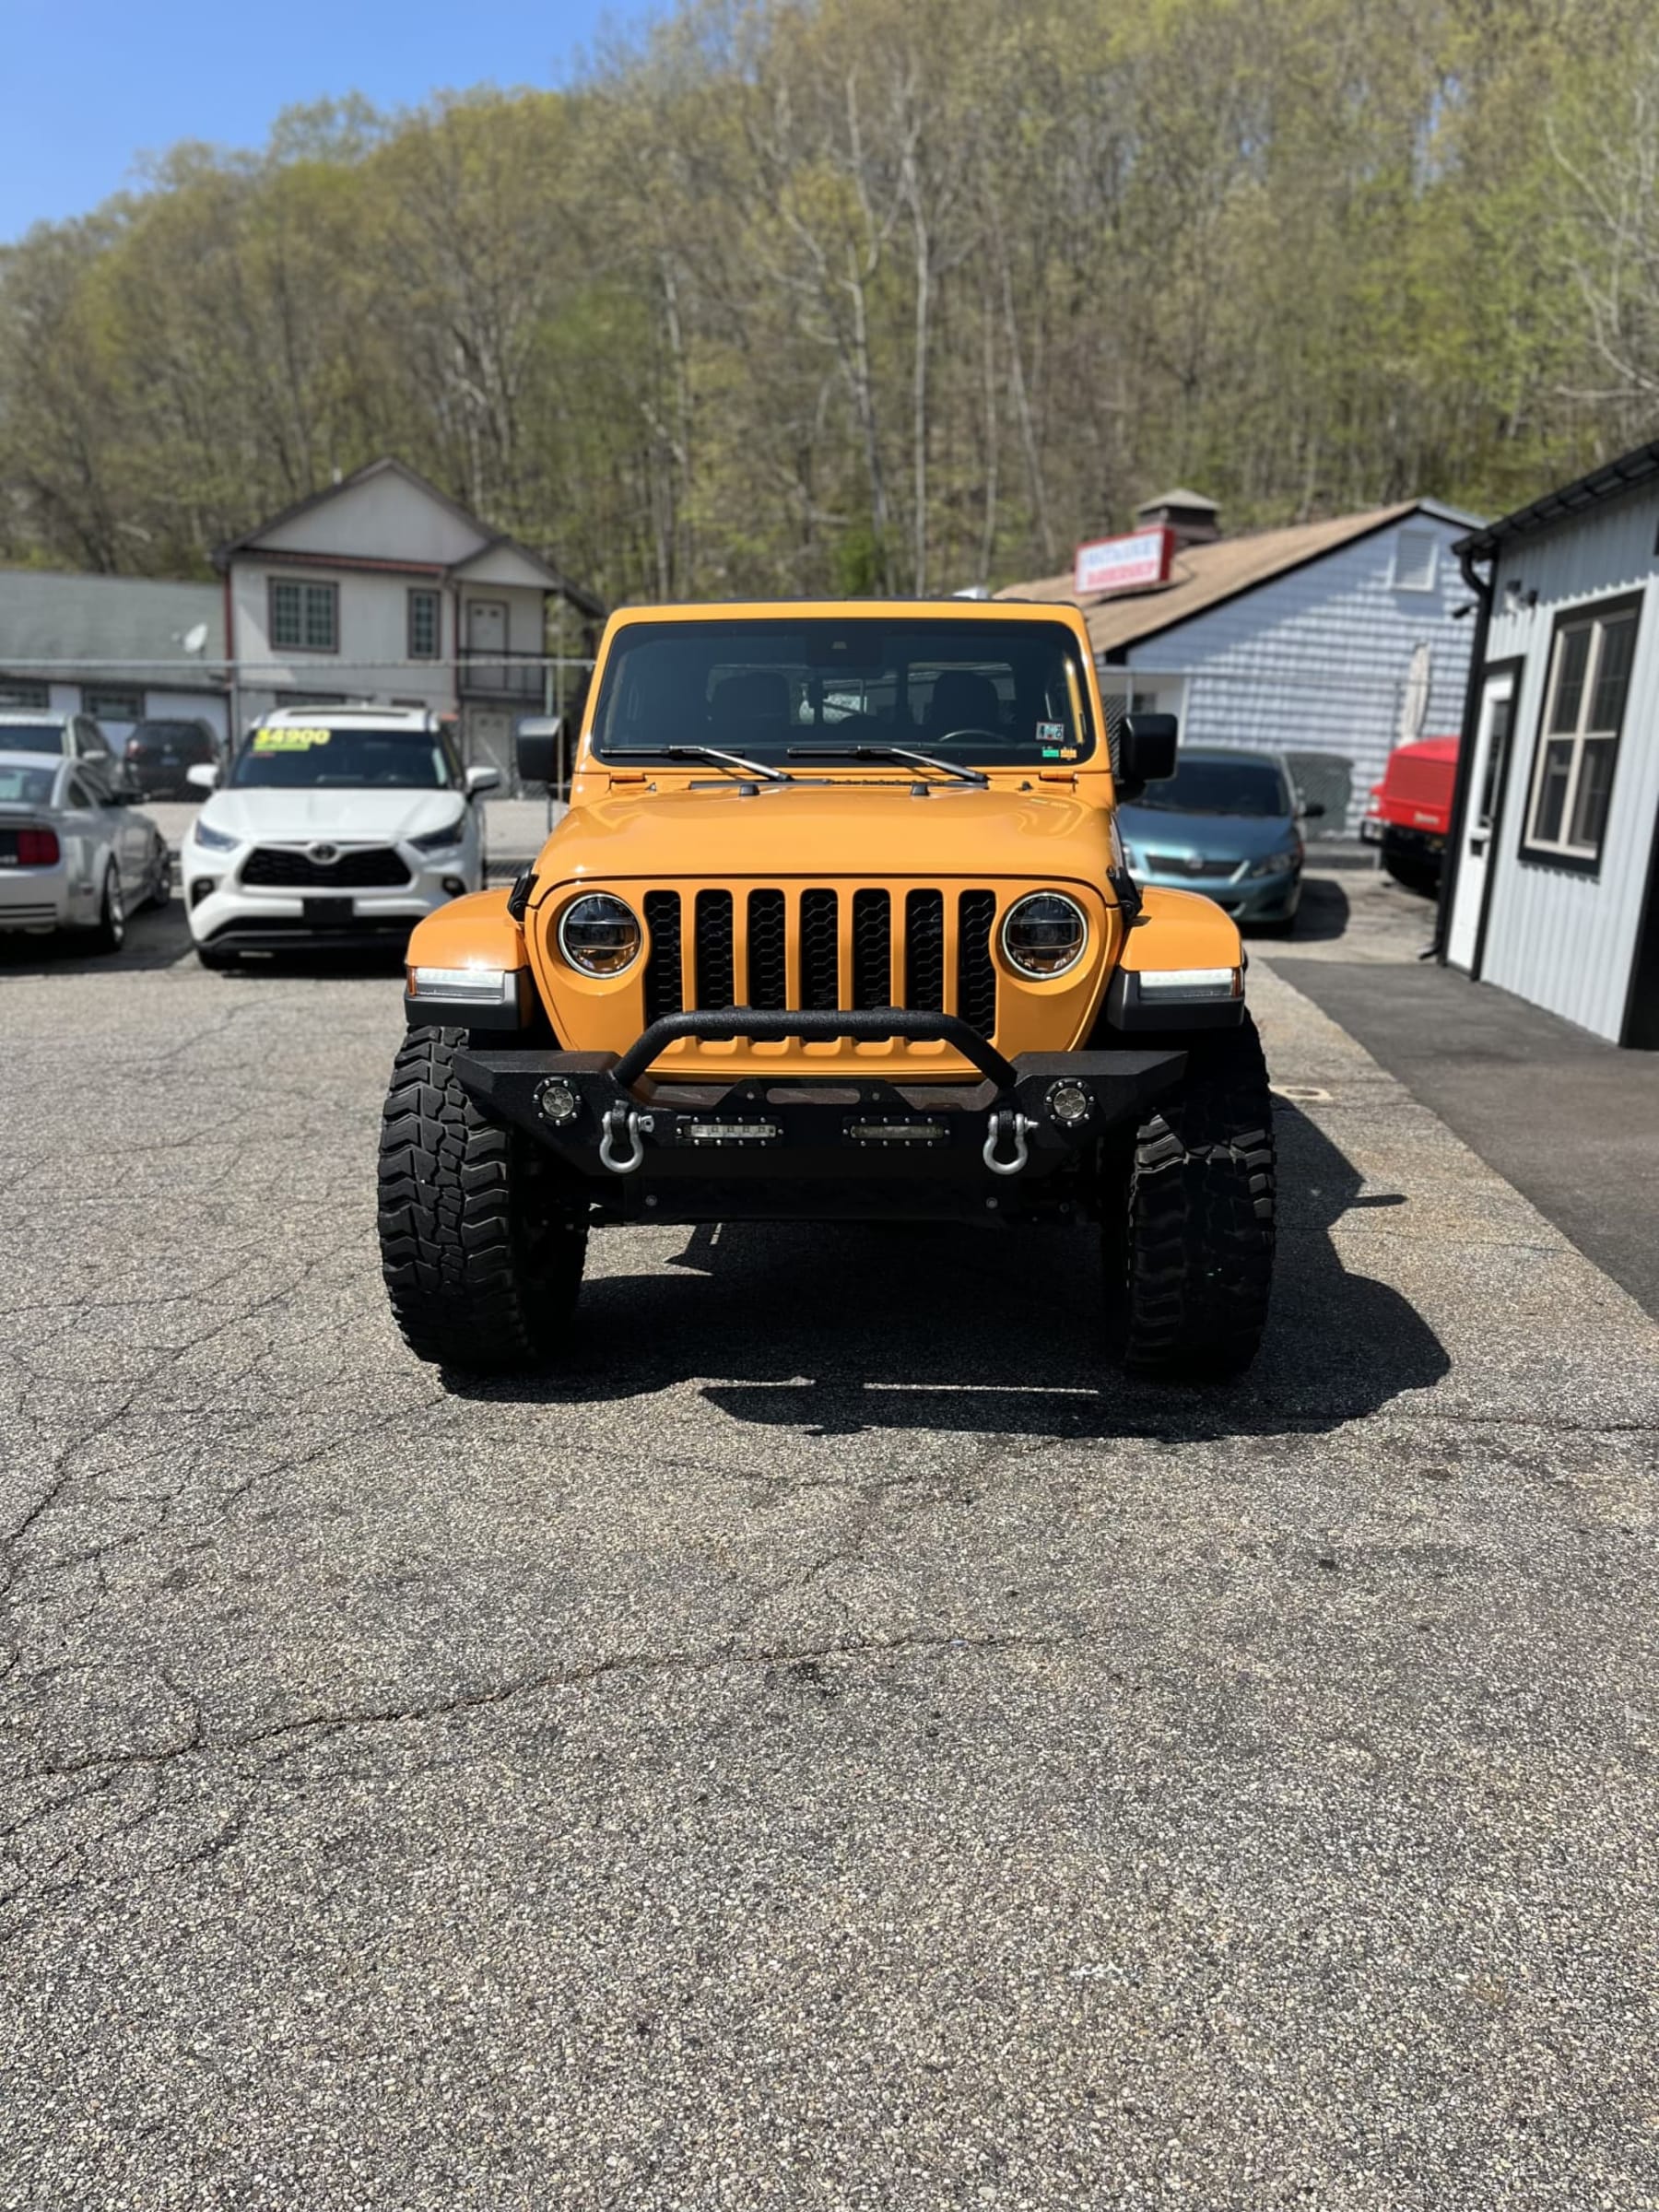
(337, 827)
(73, 856)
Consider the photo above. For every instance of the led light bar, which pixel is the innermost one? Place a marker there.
(1189, 986)
(719, 1133)
(896, 1133)
(473, 984)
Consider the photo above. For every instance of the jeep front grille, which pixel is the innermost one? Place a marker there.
(821, 950)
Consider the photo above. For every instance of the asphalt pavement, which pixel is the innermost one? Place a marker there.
(838, 1745)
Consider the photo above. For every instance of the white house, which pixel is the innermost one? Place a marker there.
(1329, 642)
(1551, 887)
(381, 588)
(122, 649)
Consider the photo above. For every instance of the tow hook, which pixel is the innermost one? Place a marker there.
(619, 1122)
(1003, 1121)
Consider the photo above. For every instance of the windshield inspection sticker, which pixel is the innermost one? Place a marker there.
(1051, 736)
(289, 741)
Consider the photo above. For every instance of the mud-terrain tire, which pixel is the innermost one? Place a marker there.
(1189, 1219)
(482, 1263)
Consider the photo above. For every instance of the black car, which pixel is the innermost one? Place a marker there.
(160, 756)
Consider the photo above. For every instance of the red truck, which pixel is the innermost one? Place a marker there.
(1410, 812)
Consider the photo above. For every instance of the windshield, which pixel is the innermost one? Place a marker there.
(32, 737)
(1249, 787)
(1006, 694)
(26, 786)
(303, 760)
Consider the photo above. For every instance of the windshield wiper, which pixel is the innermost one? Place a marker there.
(702, 752)
(888, 752)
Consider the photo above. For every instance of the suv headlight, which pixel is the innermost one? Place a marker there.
(212, 840)
(1275, 864)
(441, 840)
(1045, 934)
(599, 935)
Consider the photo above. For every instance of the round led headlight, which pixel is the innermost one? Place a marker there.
(598, 934)
(1045, 934)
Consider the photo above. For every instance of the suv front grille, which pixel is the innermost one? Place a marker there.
(288, 868)
(890, 952)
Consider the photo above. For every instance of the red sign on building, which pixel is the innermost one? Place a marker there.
(1124, 564)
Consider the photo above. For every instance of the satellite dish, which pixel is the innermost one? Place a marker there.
(196, 640)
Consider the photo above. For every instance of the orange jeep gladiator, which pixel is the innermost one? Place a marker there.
(837, 927)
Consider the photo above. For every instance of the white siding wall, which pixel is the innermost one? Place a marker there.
(1564, 940)
(385, 518)
(1317, 661)
(189, 706)
(374, 636)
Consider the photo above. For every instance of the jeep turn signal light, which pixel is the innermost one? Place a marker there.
(1189, 986)
(470, 984)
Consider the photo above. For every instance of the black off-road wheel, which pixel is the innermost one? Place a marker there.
(1189, 1219)
(481, 1251)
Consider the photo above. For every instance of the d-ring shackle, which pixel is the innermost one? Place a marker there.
(622, 1121)
(1003, 1119)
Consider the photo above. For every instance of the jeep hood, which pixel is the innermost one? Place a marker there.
(828, 830)
(343, 815)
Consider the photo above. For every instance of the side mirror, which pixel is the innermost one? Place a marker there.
(538, 747)
(1312, 813)
(1146, 752)
(482, 779)
(202, 774)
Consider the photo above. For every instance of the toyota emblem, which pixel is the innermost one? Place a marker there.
(1194, 866)
(323, 854)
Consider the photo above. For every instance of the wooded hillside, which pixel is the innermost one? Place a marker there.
(888, 295)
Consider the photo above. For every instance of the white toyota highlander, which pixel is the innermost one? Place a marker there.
(335, 827)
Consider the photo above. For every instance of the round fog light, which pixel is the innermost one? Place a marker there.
(453, 885)
(555, 1101)
(1070, 1102)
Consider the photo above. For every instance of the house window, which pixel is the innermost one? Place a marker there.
(1578, 741)
(424, 625)
(108, 704)
(23, 691)
(305, 617)
(1416, 553)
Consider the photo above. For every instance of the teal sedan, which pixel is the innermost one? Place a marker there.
(1227, 824)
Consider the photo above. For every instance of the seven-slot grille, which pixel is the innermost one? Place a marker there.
(290, 868)
(865, 949)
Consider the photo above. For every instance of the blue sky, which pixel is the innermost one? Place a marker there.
(91, 85)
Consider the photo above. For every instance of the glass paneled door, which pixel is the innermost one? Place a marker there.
(1489, 774)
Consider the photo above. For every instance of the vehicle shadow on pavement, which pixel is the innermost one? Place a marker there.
(155, 938)
(1322, 915)
(844, 1329)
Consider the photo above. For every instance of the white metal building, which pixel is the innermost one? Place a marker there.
(122, 649)
(1550, 884)
(1329, 642)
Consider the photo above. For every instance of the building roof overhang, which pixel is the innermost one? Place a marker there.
(1607, 482)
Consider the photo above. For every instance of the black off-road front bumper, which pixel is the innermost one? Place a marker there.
(1021, 1141)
